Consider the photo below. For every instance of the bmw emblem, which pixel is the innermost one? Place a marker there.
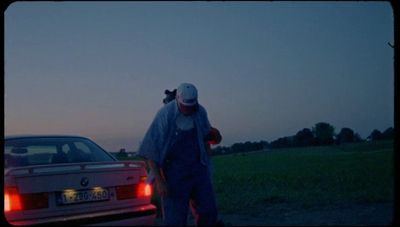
(84, 181)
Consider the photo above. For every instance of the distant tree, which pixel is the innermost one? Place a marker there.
(323, 133)
(245, 147)
(264, 144)
(238, 147)
(388, 134)
(375, 135)
(346, 135)
(217, 151)
(253, 146)
(226, 150)
(303, 138)
(248, 146)
(357, 138)
(281, 142)
(122, 153)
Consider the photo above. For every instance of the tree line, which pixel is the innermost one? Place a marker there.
(321, 134)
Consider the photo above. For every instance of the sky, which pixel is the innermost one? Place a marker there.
(263, 70)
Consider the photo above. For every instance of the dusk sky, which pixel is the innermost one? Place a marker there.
(263, 70)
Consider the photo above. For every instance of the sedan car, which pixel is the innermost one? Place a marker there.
(71, 180)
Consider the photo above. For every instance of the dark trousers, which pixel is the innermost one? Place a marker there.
(184, 189)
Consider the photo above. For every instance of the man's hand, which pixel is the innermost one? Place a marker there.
(160, 183)
(214, 136)
(161, 186)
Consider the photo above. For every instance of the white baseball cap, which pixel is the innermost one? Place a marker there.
(186, 94)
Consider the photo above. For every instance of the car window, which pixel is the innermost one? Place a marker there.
(65, 148)
(40, 154)
(40, 151)
(83, 147)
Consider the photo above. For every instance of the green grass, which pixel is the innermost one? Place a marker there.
(306, 177)
(253, 183)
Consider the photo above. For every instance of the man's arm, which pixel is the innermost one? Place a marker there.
(159, 178)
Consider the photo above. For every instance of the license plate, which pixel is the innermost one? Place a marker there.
(83, 196)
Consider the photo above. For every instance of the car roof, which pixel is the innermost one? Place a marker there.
(27, 136)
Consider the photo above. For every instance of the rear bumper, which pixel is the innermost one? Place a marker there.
(143, 215)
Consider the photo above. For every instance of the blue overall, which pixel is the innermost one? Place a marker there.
(188, 180)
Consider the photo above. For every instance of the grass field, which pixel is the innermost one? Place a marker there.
(255, 183)
(316, 176)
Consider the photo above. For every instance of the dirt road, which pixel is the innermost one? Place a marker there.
(286, 215)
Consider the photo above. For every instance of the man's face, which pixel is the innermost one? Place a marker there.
(187, 110)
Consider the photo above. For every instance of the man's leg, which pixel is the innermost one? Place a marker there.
(203, 203)
(175, 211)
(175, 204)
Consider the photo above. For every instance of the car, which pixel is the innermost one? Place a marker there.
(70, 180)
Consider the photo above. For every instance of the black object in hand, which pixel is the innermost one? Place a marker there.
(170, 95)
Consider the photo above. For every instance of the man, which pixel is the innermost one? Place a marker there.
(175, 147)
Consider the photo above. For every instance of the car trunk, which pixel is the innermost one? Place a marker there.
(73, 189)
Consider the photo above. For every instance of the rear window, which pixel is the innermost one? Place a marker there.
(41, 151)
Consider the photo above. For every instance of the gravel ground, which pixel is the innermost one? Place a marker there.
(344, 215)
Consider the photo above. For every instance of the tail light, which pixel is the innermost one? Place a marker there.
(12, 199)
(142, 189)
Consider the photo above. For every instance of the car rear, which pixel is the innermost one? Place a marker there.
(108, 193)
(79, 193)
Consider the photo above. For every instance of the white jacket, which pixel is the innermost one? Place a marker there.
(157, 141)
